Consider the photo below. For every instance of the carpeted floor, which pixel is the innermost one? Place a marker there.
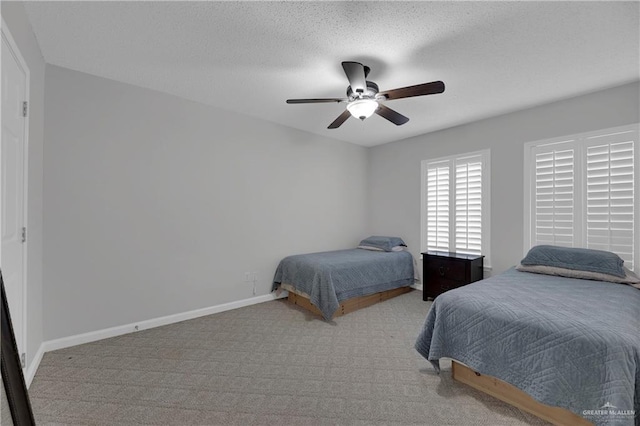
(266, 364)
(5, 414)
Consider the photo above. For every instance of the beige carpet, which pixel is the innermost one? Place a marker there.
(5, 413)
(267, 364)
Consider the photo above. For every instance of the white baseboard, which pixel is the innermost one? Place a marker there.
(33, 367)
(79, 339)
(488, 271)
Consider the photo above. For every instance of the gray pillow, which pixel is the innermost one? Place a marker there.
(579, 259)
(630, 278)
(383, 243)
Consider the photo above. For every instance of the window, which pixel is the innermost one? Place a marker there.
(455, 204)
(579, 192)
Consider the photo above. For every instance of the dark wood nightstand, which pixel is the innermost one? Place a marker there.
(443, 270)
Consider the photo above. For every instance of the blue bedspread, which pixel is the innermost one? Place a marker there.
(333, 276)
(566, 342)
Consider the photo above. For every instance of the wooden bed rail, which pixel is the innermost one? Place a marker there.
(348, 305)
(515, 397)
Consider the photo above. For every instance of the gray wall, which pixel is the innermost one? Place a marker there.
(155, 205)
(14, 15)
(394, 180)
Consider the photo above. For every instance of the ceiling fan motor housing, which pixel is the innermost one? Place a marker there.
(370, 93)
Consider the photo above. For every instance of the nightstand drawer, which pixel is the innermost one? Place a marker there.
(445, 285)
(448, 269)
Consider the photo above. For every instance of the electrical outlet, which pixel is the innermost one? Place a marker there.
(255, 277)
(247, 277)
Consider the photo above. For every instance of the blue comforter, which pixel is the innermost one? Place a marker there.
(333, 276)
(566, 342)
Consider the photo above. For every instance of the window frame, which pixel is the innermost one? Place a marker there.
(452, 160)
(580, 142)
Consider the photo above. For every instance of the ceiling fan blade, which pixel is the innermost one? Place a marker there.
(355, 72)
(391, 115)
(341, 119)
(316, 101)
(417, 90)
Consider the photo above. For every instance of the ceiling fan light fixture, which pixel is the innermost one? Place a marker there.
(362, 108)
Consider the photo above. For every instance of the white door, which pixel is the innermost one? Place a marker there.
(12, 152)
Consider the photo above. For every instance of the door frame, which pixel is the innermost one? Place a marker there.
(13, 47)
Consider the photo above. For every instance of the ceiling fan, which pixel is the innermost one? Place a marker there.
(364, 99)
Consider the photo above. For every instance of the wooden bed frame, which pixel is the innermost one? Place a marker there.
(348, 305)
(515, 397)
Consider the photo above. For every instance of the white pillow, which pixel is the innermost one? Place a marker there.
(370, 248)
(396, 248)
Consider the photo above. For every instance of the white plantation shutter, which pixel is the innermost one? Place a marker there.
(468, 207)
(610, 195)
(438, 206)
(554, 212)
(582, 192)
(455, 210)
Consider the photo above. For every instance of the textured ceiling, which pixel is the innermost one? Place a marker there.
(249, 57)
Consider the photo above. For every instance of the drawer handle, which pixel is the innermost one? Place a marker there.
(441, 271)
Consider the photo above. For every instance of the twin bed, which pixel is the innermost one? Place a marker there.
(337, 282)
(565, 342)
